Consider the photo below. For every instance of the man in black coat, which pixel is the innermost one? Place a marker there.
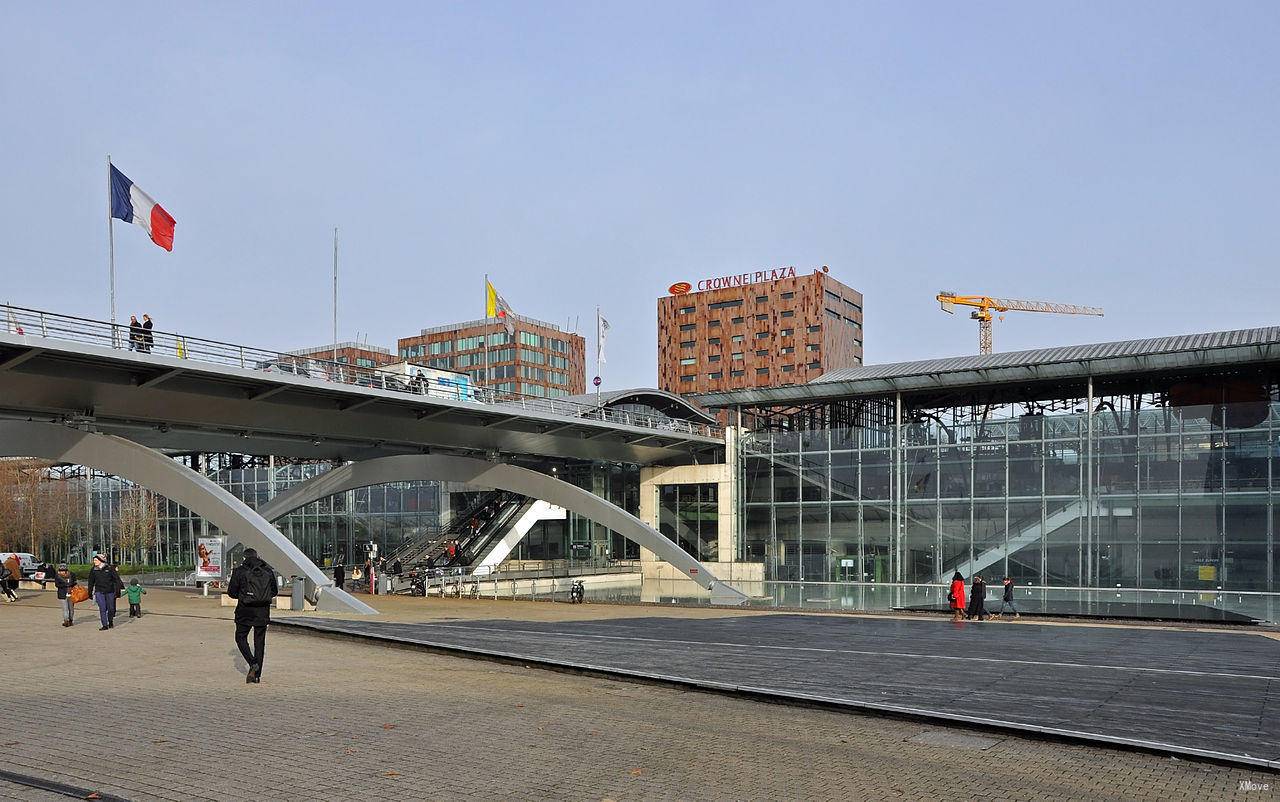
(253, 586)
(339, 575)
(104, 585)
(148, 339)
(978, 599)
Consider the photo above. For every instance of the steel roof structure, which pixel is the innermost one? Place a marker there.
(1187, 355)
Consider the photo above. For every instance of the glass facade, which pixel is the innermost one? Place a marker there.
(1176, 498)
(338, 526)
(688, 514)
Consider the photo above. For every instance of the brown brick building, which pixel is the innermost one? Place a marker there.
(361, 355)
(767, 328)
(538, 359)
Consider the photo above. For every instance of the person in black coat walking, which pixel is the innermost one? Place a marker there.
(148, 339)
(64, 581)
(1007, 599)
(978, 599)
(253, 586)
(135, 333)
(339, 575)
(104, 586)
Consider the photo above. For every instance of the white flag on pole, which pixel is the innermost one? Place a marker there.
(602, 328)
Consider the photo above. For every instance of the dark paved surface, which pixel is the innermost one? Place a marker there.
(1209, 694)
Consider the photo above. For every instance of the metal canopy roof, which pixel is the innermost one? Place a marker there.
(1189, 352)
(667, 403)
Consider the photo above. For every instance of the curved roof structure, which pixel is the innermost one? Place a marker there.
(669, 404)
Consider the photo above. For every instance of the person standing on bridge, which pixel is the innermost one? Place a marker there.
(253, 586)
(148, 339)
(956, 596)
(135, 333)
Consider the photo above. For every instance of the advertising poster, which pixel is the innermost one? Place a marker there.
(209, 557)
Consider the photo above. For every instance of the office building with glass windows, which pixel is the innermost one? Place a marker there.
(517, 355)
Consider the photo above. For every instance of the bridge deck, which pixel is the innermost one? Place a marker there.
(1203, 694)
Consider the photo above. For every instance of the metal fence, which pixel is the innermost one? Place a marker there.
(49, 325)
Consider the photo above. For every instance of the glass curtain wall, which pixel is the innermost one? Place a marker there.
(1173, 498)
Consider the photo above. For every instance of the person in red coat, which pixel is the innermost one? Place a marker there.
(956, 597)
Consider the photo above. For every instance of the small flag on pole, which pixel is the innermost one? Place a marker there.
(130, 204)
(496, 306)
(602, 329)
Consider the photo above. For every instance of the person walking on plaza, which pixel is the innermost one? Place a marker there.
(956, 597)
(135, 593)
(1007, 599)
(253, 586)
(978, 599)
(6, 573)
(148, 339)
(135, 333)
(339, 574)
(104, 588)
(64, 581)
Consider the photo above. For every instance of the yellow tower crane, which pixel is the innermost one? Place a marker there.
(984, 306)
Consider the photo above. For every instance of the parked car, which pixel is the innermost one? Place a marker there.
(28, 562)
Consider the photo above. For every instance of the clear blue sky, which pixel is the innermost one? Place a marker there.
(1119, 154)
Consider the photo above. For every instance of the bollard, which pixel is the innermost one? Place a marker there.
(298, 600)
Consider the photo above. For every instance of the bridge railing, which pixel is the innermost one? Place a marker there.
(124, 336)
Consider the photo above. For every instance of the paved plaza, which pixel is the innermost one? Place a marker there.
(341, 718)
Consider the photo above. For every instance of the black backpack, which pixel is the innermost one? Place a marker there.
(259, 585)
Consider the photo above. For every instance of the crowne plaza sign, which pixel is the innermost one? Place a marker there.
(735, 280)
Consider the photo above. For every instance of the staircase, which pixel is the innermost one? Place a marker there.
(434, 541)
(1019, 538)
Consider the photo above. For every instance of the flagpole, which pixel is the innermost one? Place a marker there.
(111, 250)
(485, 383)
(597, 354)
(335, 297)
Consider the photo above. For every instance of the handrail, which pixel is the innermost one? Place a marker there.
(49, 325)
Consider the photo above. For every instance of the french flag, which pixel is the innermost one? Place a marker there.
(130, 204)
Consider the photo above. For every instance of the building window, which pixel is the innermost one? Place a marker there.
(687, 344)
(833, 313)
(788, 349)
(470, 343)
(686, 378)
(533, 357)
(438, 347)
(760, 335)
(737, 372)
(686, 310)
(762, 371)
(833, 297)
(560, 362)
(737, 338)
(440, 362)
(788, 313)
(503, 355)
(503, 372)
(813, 329)
(559, 346)
(530, 339)
(761, 299)
(762, 353)
(853, 322)
(815, 365)
(737, 320)
(713, 341)
(725, 304)
(762, 316)
(688, 327)
(737, 356)
(811, 347)
(533, 389)
(689, 361)
(501, 338)
(788, 332)
(719, 374)
(713, 358)
(788, 368)
(852, 305)
(713, 324)
(787, 296)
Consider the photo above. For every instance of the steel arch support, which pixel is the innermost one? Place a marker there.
(167, 477)
(500, 476)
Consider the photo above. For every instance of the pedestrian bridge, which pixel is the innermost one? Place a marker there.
(71, 390)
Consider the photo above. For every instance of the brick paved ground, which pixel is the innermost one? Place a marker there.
(337, 719)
